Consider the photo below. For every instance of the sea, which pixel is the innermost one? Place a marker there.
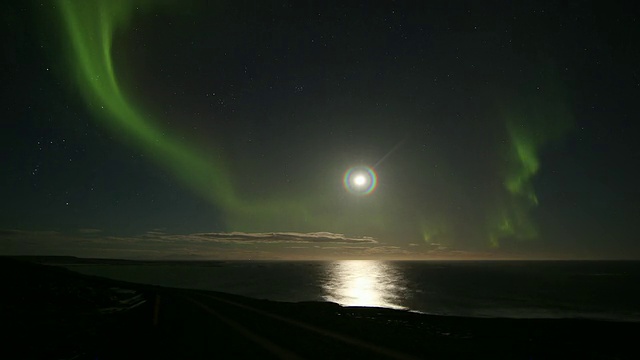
(603, 290)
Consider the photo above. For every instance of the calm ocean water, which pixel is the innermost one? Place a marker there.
(523, 289)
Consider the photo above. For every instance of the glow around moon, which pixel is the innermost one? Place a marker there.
(360, 180)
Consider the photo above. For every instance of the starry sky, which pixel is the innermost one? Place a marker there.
(228, 129)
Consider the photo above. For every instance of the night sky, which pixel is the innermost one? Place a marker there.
(227, 129)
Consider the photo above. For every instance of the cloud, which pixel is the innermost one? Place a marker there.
(155, 244)
(221, 246)
(283, 237)
(226, 246)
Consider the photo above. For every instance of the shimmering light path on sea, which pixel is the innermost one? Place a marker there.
(363, 283)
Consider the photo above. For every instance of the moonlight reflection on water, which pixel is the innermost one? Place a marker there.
(364, 283)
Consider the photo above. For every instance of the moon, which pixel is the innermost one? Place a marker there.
(360, 180)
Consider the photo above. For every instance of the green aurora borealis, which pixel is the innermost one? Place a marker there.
(531, 123)
(90, 29)
(226, 129)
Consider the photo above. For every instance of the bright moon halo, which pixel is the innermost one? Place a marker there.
(360, 180)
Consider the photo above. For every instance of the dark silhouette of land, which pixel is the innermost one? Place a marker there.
(50, 312)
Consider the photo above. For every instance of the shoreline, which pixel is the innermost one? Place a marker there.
(59, 310)
(543, 297)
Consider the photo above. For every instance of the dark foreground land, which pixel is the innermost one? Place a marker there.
(49, 312)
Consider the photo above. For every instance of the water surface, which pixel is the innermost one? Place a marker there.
(525, 289)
